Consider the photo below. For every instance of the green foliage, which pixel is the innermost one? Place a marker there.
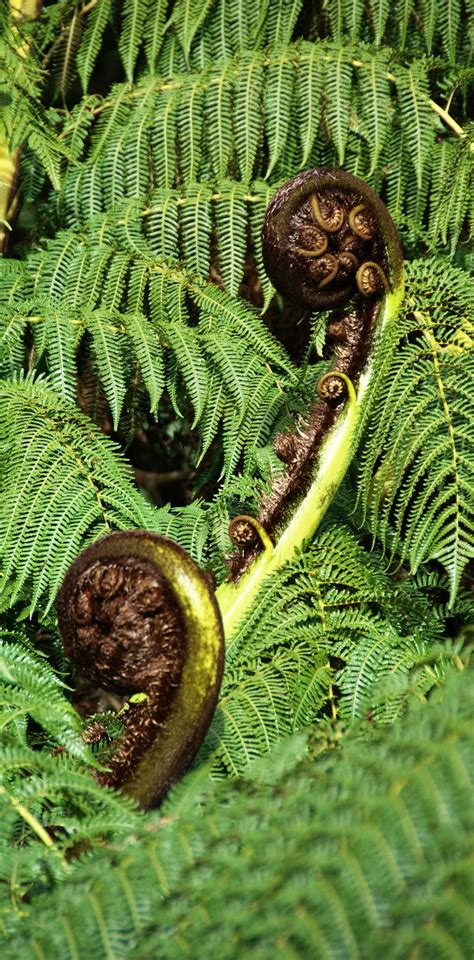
(369, 847)
(269, 109)
(328, 811)
(332, 619)
(93, 290)
(416, 478)
(23, 118)
(50, 803)
(63, 486)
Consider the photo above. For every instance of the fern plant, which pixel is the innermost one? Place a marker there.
(152, 377)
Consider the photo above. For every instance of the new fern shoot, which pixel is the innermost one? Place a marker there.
(133, 613)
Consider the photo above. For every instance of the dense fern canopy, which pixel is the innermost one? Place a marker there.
(146, 366)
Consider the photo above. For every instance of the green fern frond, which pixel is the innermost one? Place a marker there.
(62, 484)
(190, 117)
(338, 81)
(154, 31)
(58, 342)
(375, 102)
(263, 111)
(281, 17)
(449, 23)
(12, 329)
(67, 50)
(149, 354)
(333, 619)
(196, 226)
(92, 39)
(277, 105)
(415, 114)
(416, 476)
(231, 221)
(109, 352)
(30, 687)
(379, 10)
(248, 116)
(452, 192)
(219, 119)
(309, 87)
(134, 15)
(187, 18)
(48, 798)
(374, 839)
(74, 287)
(162, 222)
(127, 288)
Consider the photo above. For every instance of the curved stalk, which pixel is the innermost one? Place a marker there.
(135, 612)
(318, 456)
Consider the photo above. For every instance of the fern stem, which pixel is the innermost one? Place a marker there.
(234, 599)
(301, 497)
(29, 818)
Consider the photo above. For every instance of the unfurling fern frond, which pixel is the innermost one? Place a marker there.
(137, 291)
(416, 480)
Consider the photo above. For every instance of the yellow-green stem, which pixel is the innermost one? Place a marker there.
(336, 452)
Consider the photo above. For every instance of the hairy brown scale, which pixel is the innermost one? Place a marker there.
(127, 636)
(323, 249)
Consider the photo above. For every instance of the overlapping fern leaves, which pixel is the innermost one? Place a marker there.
(154, 36)
(131, 310)
(370, 846)
(23, 117)
(416, 472)
(416, 478)
(265, 116)
(153, 245)
(333, 619)
(49, 800)
(62, 485)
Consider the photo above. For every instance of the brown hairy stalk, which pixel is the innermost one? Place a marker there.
(328, 241)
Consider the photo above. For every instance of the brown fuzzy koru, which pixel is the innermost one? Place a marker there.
(129, 637)
(136, 615)
(328, 241)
